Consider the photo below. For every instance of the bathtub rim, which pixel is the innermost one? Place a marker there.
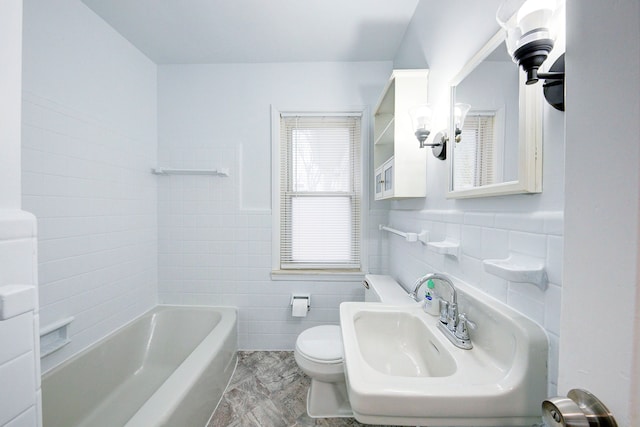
(123, 326)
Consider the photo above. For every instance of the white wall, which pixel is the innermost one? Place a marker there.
(89, 141)
(20, 398)
(215, 232)
(445, 35)
(602, 259)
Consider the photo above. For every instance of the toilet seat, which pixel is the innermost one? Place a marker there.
(321, 344)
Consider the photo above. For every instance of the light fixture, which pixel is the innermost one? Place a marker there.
(531, 34)
(421, 120)
(460, 111)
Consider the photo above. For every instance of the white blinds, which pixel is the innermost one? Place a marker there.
(320, 192)
(475, 154)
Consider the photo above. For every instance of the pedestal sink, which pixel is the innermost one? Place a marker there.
(408, 347)
(401, 370)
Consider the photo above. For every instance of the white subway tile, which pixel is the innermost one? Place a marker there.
(519, 222)
(531, 244)
(554, 260)
(472, 241)
(525, 304)
(18, 373)
(28, 418)
(483, 219)
(495, 243)
(19, 332)
(552, 308)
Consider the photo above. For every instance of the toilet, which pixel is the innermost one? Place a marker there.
(319, 354)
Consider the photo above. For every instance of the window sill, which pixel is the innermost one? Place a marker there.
(318, 275)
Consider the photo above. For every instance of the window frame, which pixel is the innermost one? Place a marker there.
(320, 274)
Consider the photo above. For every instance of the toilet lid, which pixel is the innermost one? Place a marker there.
(321, 343)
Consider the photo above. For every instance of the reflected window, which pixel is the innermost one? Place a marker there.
(475, 154)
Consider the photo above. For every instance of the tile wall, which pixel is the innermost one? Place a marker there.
(488, 235)
(92, 191)
(20, 397)
(212, 252)
(214, 233)
(89, 141)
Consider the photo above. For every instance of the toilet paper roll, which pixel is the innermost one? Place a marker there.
(299, 307)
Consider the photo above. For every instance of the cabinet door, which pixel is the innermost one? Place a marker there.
(379, 182)
(387, 178)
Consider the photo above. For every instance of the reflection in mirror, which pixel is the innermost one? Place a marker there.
(498, 146)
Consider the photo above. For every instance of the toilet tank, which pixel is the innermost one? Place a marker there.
(381, 288)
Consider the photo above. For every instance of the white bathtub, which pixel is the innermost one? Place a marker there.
(169, 367)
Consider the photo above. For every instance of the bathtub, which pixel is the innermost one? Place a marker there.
(168, 367)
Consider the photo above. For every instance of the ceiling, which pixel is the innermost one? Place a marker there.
(251, 31)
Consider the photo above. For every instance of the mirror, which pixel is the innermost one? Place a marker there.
(499, 149)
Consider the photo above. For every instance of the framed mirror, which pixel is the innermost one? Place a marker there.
(498, 149)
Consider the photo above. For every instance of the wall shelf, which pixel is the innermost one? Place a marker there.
(445, 247)
(54, 336)
(518, 268)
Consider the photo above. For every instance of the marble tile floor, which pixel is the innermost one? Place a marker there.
(269, 390)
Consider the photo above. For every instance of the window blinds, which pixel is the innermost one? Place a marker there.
(475, 154)
(320, 192)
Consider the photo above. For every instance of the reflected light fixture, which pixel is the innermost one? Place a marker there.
(530, 37)
(460, 111)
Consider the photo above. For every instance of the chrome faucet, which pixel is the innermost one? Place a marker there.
(454, 326)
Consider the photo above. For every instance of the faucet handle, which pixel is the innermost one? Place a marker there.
(444, 310)
(464, 324)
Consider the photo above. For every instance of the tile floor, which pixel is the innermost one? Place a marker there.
(268, 390)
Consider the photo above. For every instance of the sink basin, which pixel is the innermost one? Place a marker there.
(409, 349)
(401, 370)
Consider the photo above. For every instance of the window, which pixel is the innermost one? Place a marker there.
(319, 192)
(475, 153)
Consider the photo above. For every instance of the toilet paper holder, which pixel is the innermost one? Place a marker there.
(579, 409)
(301, 296)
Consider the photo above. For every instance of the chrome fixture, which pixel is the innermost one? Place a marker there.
(421, 120)
(579, 409)
(453, 325)
(531, 29)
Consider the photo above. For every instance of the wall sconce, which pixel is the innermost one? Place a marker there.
(530, 37)
(421, 119)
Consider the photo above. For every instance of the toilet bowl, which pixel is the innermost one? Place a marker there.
(319, 354)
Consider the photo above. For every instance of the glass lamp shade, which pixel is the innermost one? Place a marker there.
(421, 121)
(460, 113)
(527, 21)
(421, 117)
